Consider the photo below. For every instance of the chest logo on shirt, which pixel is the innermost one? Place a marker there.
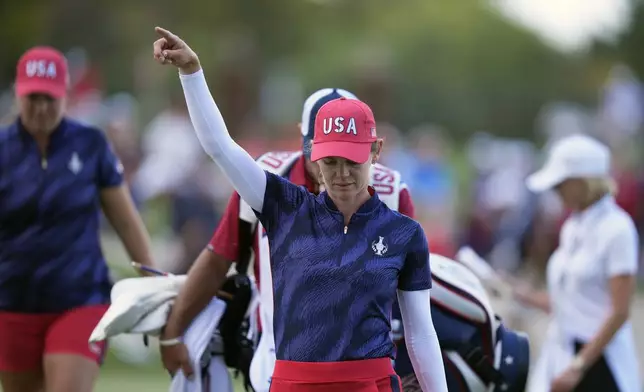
(380, 247)
(75, 164)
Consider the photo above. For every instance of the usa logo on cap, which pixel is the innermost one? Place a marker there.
(42, 70)
(344, 128)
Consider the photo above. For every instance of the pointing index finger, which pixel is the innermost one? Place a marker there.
(171, 38)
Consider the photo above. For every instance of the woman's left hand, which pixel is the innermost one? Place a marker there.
(566, 381)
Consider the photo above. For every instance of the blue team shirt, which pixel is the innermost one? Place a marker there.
(333, 292)
(50, 254)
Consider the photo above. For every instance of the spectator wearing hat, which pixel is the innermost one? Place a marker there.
(591, 277)
(56, 175)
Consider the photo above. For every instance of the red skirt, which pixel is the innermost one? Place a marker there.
(369, 375)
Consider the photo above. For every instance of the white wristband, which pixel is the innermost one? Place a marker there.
(578, 363)
(170, 342)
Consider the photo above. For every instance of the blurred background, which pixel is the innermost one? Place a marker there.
(466, 93)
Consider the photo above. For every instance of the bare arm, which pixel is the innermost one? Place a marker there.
(525, 293)
(231, 241)
(204, 279)
(622, 289)
(539, 299)
(621, 265)
(119, 209)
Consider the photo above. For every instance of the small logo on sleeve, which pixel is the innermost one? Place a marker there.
(380, 247)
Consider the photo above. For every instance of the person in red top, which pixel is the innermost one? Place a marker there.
(239, 232)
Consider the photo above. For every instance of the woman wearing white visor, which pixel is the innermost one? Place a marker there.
(591, 277)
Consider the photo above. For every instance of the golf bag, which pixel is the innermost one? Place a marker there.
(479, 352)
(236, 332)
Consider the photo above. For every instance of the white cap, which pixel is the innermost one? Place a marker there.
(576, 156)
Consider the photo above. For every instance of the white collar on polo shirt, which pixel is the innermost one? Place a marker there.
(594, 209)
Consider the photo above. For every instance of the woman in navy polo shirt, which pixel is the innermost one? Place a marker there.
(338, 258)
(55, 175)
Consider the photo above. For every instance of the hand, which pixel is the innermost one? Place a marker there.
(566, 381)
(410, 383)
(176, 357)
(522, 292)
(170, 49)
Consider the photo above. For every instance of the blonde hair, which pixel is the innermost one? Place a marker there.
(598, 187)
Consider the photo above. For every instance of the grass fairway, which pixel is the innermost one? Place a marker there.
(117, 376)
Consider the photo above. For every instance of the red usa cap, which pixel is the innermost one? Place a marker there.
(42, 70)
(344, 128)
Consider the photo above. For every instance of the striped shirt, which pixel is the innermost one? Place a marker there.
(50, 254)
(334, 285)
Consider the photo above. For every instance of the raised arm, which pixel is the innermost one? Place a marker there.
(247, 177)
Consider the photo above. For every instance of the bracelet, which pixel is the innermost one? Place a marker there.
(170, 342)
(579, 364)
